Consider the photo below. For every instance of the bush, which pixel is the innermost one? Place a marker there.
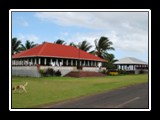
(42, 72)
(104, 71)
(120, 71)
(58, 73)
(48, 72)
(141, 72)
(113, 73)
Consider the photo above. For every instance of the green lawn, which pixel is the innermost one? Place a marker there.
(54, 89)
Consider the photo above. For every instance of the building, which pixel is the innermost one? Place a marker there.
(62, 57)
(130, 63)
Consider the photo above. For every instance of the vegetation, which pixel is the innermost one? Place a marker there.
(73, 44)
(15, 46)
(58, 73)
(110, 60)
(85, 46)
(60, 42)
(113, 73)
(47, 90)
(49, 72)
(27, 45)
(102, 45)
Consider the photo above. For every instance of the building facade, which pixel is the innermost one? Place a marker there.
(57, 56)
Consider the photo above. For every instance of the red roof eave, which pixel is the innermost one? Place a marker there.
(57, 51)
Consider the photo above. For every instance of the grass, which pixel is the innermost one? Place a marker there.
(54, 89)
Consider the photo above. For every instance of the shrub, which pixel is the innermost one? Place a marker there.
(104, 71)
(42, 72)
(113, 73)
(48, 72)
(58, 73)
(120, 71)
(141, 72)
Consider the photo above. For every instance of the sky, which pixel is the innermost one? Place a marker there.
(128, 31)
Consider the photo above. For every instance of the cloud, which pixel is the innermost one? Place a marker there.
(127, 30)
(23, 22)
(30, 37)
(96, 20)
(132, 43)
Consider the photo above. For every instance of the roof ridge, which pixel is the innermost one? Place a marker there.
(43, 46)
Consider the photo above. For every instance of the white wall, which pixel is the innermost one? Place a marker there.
(25, 71)
(32, 70)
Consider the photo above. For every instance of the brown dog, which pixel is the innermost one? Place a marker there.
(20, 87)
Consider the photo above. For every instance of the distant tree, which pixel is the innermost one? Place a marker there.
(110, 60)
(27, 45)
(73, 44)
(102, 45)
(15, 45)
(60, 42)
(84, 45)
(43, 42)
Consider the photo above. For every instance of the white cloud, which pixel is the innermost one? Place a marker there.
(96, 20)
(133, 43)
(23, 22)
(127, 30)
(30, 37)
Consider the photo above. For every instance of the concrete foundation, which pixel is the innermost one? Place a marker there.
(33, 72)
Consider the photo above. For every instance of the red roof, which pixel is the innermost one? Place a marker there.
(57, 51)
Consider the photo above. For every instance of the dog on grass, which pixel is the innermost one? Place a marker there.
(20, 88)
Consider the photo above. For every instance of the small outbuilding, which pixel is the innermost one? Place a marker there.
(130, 63)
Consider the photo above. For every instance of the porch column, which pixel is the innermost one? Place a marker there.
(50, 60)
(23, 61)
(35, 61)
(71, 62)
(84, 63)
(95, 63)
(91, 63)
(80, 63)
(12, 62)
(62, 62)
(17, 62)
(39, 62)
(67, 62)
(31, 61)
(123, 67)
(88, 62)
(76, 62)
(44, 61)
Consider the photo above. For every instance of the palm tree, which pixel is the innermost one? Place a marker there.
(73, 44)
(110, 60)
(27, 45)
(60, 42)
(102, 45)
(84, 45)
(15, 45)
